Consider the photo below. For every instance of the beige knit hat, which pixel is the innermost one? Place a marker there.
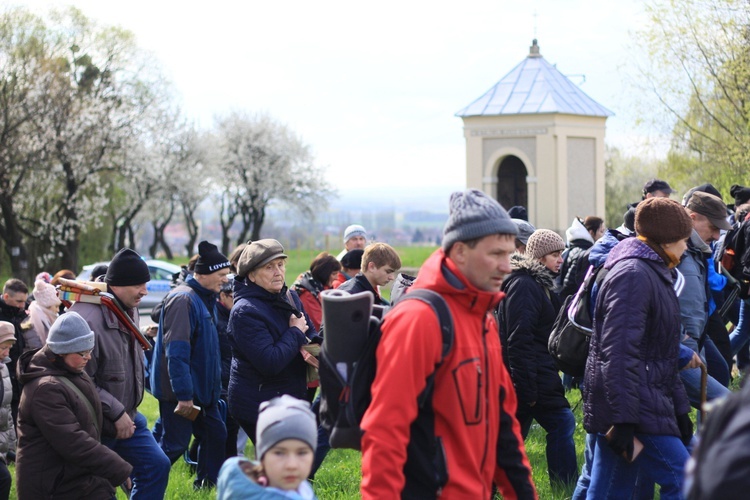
(543, 242)
(45, 295)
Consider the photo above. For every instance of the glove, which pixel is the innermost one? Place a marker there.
(686, 428)
(620, 439)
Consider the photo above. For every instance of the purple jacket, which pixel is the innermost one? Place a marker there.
(631, 373)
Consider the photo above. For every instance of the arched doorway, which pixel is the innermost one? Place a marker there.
(511, 183)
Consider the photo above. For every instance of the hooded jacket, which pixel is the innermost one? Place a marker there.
(529, 311)
(466, 436)
(632, 370)
(266, 351)
(575, 258)
(59, 451)
(235, 484)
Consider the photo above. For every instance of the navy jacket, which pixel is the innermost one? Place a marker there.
(632, 369)
(186, 359)
(360, 284)
(225, 345)
(266, 361)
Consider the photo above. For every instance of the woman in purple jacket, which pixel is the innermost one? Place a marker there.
(632, 391)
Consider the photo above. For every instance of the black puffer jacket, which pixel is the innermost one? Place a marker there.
(528, 313)
(574, 267)
(631, 373)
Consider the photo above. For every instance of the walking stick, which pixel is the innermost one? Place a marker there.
(704, 377)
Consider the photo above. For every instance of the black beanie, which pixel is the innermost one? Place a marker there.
(127, 269)
(741, 194)
(352, 259)
(210, 259)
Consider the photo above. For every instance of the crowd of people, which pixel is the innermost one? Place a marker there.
(234, 351)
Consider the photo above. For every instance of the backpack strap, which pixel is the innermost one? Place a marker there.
(66, 381)
(445, 318)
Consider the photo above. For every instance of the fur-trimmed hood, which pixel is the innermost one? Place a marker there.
(520, 263)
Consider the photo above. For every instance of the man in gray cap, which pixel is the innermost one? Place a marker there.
(468, 410)
(708, 214)
(116, 367)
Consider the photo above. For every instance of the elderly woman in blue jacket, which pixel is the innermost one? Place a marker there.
(632, 390)
(267, 329)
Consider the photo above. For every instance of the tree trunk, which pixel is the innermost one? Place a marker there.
(14, 246)
(192, 227)
(259, 217)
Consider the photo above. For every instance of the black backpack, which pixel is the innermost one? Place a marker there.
(346, 378)
(730, 256)
(571, 333)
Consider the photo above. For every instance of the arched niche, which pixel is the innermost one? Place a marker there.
(511, 186)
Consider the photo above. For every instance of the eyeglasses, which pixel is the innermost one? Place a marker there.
(85, 354)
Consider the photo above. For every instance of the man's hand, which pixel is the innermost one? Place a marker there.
(124, 426)
(695, 362)
(184, 408)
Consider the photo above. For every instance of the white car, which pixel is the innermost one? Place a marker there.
(160, 284)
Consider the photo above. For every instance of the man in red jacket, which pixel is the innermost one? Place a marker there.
(457, 437)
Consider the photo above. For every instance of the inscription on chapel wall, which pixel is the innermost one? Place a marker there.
(484, 132)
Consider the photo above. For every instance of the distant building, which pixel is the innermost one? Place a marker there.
(536, 139)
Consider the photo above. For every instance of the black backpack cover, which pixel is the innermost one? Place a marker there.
(720, 466)
(347, 359)
(571, 333)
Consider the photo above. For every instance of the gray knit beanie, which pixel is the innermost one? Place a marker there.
(473, 215)
(284, 417)
(70, 333)
(525, 230)
(543, 242)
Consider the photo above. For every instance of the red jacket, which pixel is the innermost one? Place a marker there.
(450, 446)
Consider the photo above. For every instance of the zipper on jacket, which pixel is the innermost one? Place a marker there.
(487, 398)
(479, 392)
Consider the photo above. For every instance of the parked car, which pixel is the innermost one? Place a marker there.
(160, 284)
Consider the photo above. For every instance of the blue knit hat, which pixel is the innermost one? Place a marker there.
(70, 333)
(473, 215)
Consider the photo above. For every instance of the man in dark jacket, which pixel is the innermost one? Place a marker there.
(186, 375)
(707, 213)
(13, 310)
(116, 366)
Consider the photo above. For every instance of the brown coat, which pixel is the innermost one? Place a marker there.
(59, 450)
(116, 365)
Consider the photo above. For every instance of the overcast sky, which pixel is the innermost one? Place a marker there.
(373, 87)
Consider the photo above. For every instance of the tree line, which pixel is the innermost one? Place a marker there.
(93, 143)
